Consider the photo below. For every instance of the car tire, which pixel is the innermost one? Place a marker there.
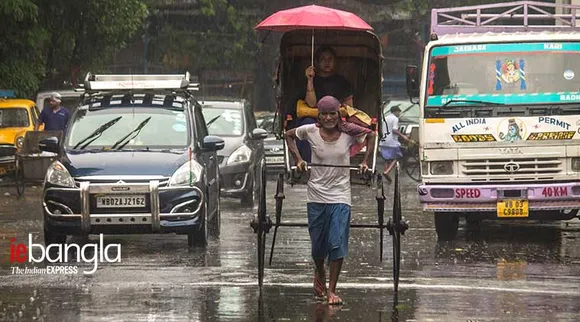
(198, 237)
(446, 225)
(248, 199)
(215, 222)
(53, 238)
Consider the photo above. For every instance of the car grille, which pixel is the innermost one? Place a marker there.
(162, 182)
(523, 169)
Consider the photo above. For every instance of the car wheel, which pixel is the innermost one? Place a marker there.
(248, 198)
(53, 238)
(215, 222)
(198, 237)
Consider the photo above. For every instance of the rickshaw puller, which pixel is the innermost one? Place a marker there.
(329, 190)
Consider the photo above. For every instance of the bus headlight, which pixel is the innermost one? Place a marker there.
(441, 167)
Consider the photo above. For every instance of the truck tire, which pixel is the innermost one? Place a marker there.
(446, 225)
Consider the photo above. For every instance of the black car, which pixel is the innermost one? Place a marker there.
(273, 146)
(242, 159)
(133, 160)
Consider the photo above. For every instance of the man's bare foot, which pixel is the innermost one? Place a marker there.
(319, 287)
(386, 176)
(333, 299)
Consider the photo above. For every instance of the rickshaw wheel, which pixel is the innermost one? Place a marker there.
(413, 165)
(261, 242)
(19, 178)
(397, 220)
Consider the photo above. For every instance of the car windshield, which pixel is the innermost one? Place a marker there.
(266, 122)
(14, 117)
(166, 129)
(223, 121)
(495, 75)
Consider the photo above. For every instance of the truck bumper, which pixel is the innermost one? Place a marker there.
(485, 198)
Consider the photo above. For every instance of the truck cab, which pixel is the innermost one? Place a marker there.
(500, 115)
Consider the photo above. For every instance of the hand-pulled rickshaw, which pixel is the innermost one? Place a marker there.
(359, 59)
(26, 164)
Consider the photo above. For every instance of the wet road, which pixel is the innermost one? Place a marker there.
(500, 272)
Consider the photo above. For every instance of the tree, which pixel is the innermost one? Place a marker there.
(21, 46)
(212, 34)
(47, 41)
(85, 34)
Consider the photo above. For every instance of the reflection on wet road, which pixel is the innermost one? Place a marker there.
(515, 271)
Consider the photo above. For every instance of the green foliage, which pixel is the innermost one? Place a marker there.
(220, 36)
(44, 40)
(85, 34)
(21, 55)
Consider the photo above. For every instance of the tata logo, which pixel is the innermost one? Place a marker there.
(120, 188)
(511, 167)
(275, 149)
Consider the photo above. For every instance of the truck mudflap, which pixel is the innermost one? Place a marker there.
(514, 200)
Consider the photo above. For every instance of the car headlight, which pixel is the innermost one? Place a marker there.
(441, 167)
(241, 154)
(19, 142)
(58, 175)
(188, 174)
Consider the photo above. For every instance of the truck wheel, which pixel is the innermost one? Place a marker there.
(472, 222)
(446, 225)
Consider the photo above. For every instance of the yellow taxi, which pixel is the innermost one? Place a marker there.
(17, 116)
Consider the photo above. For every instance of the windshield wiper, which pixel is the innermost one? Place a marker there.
(470, 101)
(213, 120)
(97, 133)
(128, 137)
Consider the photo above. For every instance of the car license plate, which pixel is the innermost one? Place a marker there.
(274, 159)
(512, 208)
(121, 201)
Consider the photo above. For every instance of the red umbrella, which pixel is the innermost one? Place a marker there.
(312, 17)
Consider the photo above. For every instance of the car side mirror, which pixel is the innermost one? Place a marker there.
(412, 75)
(258, 134)
(213, 143)
(49, 144)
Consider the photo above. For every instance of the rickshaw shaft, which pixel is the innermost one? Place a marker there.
(351, 225)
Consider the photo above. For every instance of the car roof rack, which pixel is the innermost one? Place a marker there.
(519, 16)
(121, 83)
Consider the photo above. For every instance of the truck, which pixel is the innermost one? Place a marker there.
(499, 126)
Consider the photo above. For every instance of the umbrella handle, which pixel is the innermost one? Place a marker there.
(312, 50)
